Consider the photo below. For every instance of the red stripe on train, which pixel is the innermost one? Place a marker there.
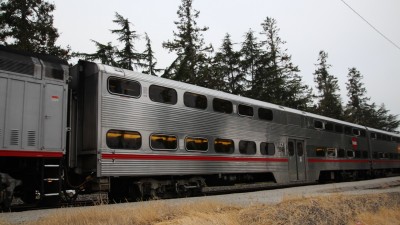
(190, 158)
(33, 154)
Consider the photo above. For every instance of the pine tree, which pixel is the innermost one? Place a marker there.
(228, 62)
(188, 44)
(357, 106)
(106, 54)
(329, 103)
(250, 56)
(149, 59)
(128, 58)
(282, 84)
(28, 25)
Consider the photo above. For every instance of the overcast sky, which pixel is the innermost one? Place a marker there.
(307, 26)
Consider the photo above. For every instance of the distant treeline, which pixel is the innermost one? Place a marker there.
(260, 69)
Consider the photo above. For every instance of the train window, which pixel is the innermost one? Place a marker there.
(375, 155)
(121, 139)
(329, 126)
(398, 140)
(331, 152)
(320, 152)
(163, 142)
(291, 148)
(223, 106)
(341, 153)
(356, 132)
(267, 148)
(300, 149)
(247, 147)
(358, 154)
(245, 110)
(363, 133)
(124, 87)
(379, 136)
(365, 154)
(224, 146)
(195, 100)
(373, 135)
(338, 128)
(391, 155)
(265, 114)
(350, 154)
(347, 130)
(196, 144)
(318, 124)
(163, 94)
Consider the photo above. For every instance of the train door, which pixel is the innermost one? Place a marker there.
(297, 166)
(53, 117)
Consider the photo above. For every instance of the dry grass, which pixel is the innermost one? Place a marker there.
(334, 209)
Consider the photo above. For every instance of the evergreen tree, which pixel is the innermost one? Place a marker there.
(357, 107)
(188, 44)
(106, 54)
(329, 103)
(228, 62)
(281, 82)
(28, 25)
(250, 57)
(149, 59)
(128, 58)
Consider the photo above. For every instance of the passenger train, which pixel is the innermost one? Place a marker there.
(96, 128)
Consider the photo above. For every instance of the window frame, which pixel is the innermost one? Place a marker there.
(246, 153)
(163, 149)
(124, 79)
(168, 103)
(196, 137)
(123, 132)
(187, 93)
(238, 110)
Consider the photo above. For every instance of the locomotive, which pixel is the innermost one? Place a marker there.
(97, 128)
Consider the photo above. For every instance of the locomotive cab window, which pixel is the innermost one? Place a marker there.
(163, 142)
(124, 87)
(223, 106)
(120, 139)
(225, 146)
(247, 147)
(196, 144)
(245, 110)
(195, 100)
(163, 94)
(265, 114)
(267, 148)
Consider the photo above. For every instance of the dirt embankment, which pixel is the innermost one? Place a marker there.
(331, 209)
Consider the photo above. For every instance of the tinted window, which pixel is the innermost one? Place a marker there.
(267, 148)
(347, 130)
(358, 154)
(365, 154)
(196, 144)
(373, 135)
(123, 87)
(291, 148)
(223, 106)
(120, 139)
(375, 155)
(195, 100)
(331, 152)
(163, 142)
(363, 133)
(318, 124)
(245, 110)
(300, 150)
(247, 147)
(163, 94)
(341, 153)
(224, 146)
(356, 132)
(350, 153)
(338, 128)
(329, 126)
(265, 114)
(320, 152)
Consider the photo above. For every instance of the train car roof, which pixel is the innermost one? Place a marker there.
(19, 54)
(222, 95)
